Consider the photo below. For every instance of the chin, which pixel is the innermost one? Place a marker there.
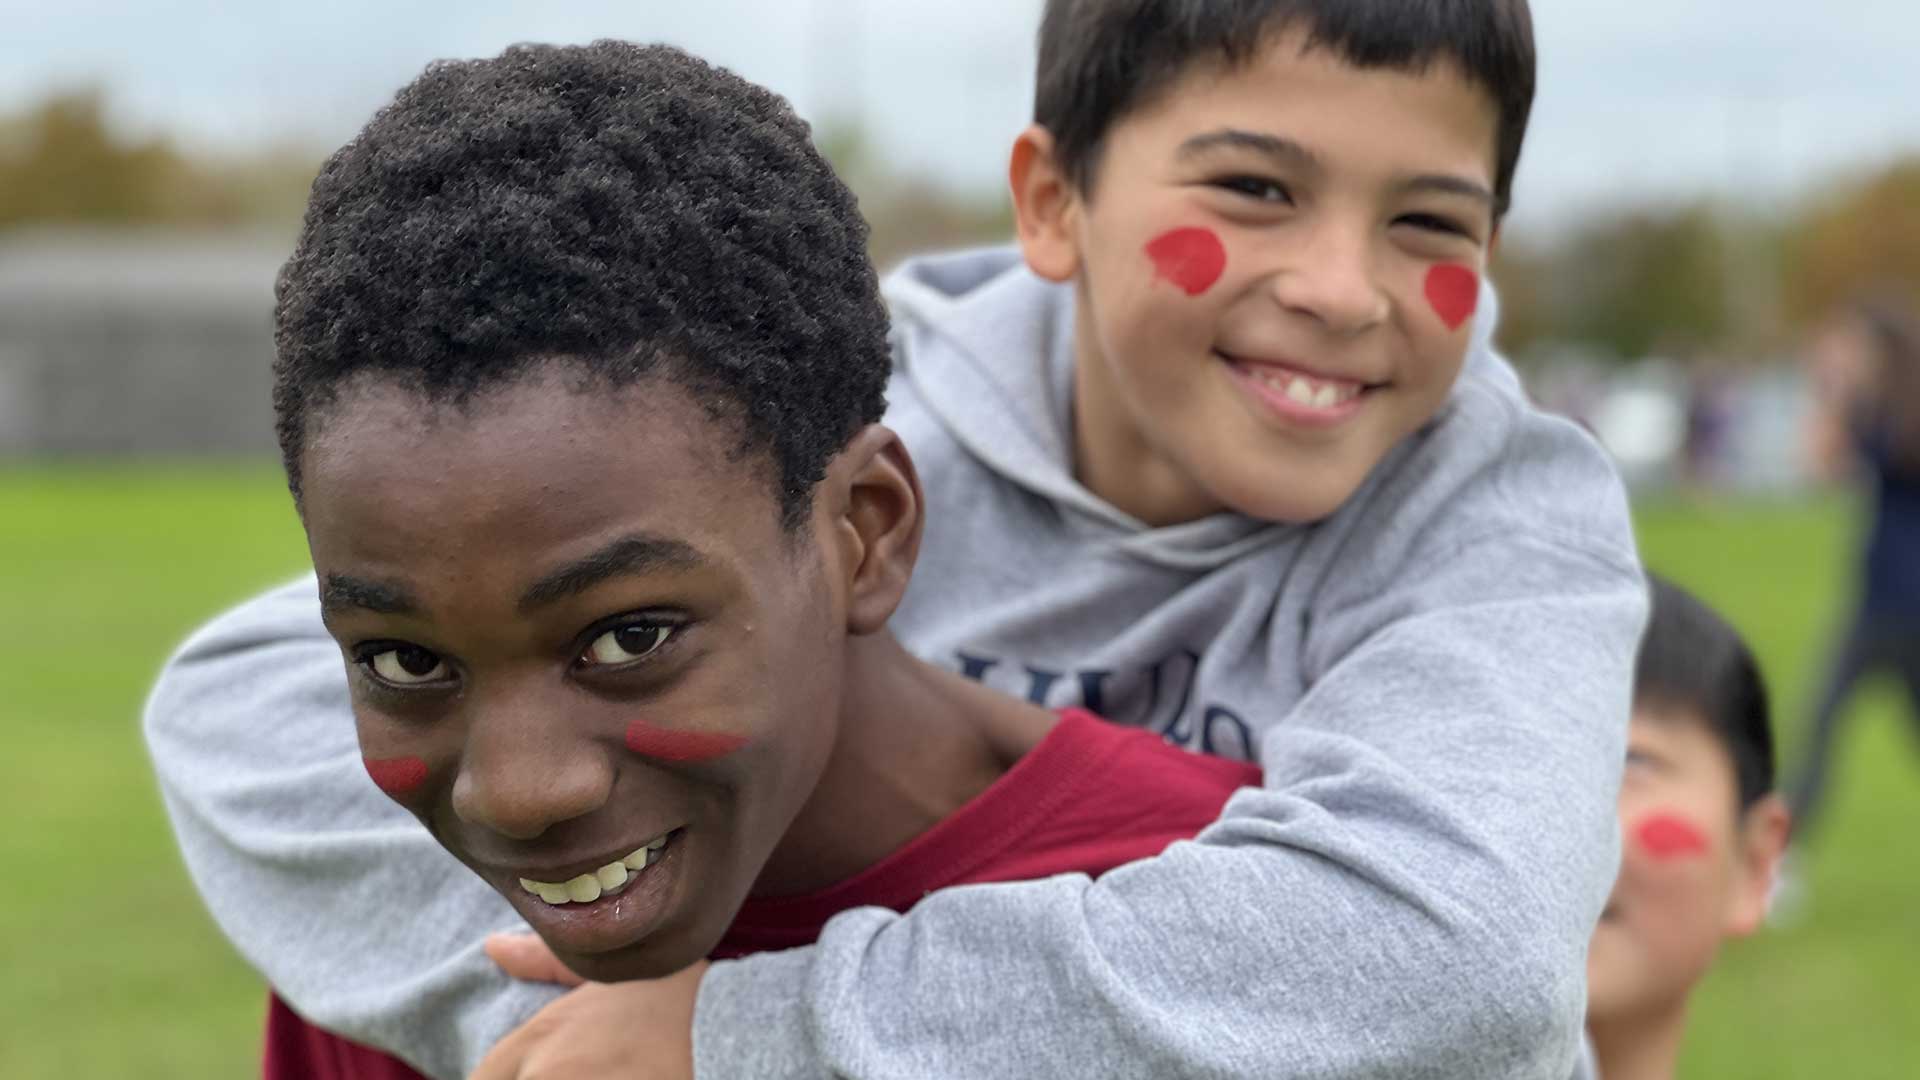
(647, 960)
(1285, 499)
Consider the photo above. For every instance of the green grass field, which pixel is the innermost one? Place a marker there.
(111, 969)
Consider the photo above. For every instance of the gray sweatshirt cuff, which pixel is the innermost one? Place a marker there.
(751, 1019)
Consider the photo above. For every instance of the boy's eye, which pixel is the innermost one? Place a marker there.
(1436, 224)
(406, 665)
(626, 644)
(1255, 187)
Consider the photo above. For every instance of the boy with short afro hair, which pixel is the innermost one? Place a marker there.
(1222, 453)
(613, 589)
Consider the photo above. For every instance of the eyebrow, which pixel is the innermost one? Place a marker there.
(629, 555)
(1285, 150)
(1444, 184)
(1273, 146)
(342, 592)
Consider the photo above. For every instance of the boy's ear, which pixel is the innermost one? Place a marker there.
(1045, 204)
(878, 522)
(1764, 829)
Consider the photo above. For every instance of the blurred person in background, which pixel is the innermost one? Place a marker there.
(1702, 834)
(1866, 375)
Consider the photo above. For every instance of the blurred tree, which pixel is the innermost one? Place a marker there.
(1866, 237)
(1651, 281)
(61, 162)
(64, 165)
(909, 214)
(1631, 285)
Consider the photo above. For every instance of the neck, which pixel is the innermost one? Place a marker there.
(1640, 1047)
(915, 743)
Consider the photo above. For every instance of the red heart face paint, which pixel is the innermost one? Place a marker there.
(680, 746)
(1190, 259)
(397, 777)
(1670, 836)
(1454, 292)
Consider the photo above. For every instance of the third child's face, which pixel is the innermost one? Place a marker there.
(1279, 267)
(1684, 883)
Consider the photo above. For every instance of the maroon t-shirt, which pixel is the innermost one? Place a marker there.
(1091, 796)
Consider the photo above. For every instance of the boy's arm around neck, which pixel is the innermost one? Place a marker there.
(1409, 895)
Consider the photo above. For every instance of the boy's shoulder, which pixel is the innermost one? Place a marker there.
(1495, 490)
(981, 303)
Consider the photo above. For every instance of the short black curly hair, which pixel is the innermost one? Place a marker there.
(629, 209)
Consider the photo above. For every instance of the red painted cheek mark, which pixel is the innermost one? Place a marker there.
(1669, 836)
(399, 776)
(1454, 292)
(680, 746)
(1191, 259)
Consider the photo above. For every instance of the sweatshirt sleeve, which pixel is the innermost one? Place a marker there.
(1410, 894)
(339, 898)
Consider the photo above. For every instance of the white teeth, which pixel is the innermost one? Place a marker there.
(1312, 393)
(584, 889)
(605, 881)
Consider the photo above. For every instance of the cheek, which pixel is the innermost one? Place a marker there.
(1191, 260)
(680, 747)
(1454, 292)
(399, 777)
(1670, 837)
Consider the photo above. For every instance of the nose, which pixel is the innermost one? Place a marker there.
(523, 773)
(1333, 280)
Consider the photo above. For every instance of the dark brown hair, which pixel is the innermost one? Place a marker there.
(1103, 59)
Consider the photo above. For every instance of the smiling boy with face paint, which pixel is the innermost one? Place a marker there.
(1274, 259)
(625, 654)
(1221, 453)
(1703, 834)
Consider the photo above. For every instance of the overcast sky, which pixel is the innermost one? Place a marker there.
(1640, 99)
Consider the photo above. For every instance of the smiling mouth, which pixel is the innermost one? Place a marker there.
(1303, 388)
(608, 880)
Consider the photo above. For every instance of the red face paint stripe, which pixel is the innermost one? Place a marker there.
(397, 776)
(1669, 836)
(1191, 259)
(680, 746)
(1454, 292)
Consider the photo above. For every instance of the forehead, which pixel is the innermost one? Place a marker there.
(1427, 117)
(547, 461)
(1685, 745)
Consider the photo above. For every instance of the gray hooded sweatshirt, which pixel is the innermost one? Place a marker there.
(1436, 680)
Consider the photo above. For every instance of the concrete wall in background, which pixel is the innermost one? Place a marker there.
(137, 342)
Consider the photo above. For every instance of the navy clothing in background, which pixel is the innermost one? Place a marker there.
(1890, 585)
(1885, 633)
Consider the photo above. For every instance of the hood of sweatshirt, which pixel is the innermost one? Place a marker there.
(987, 348)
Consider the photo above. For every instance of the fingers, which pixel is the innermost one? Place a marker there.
(504, 1060)
(525, 956)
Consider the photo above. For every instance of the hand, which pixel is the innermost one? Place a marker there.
(526, 956)
(641, 1029)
